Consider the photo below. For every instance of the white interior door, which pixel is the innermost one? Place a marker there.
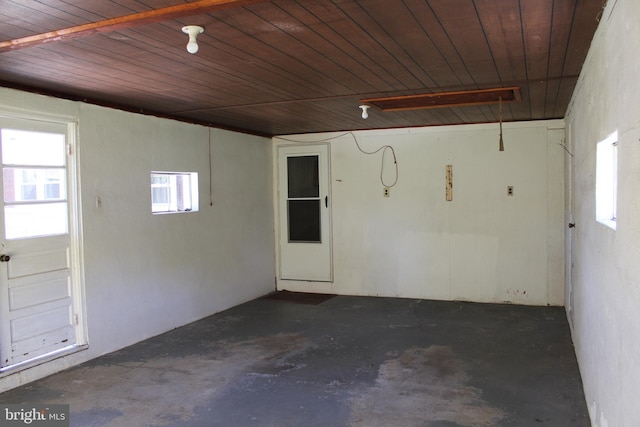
(39, 313)
(304, 213)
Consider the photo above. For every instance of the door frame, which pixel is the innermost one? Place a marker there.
(302, 285)
(570, 236)
(76, 250)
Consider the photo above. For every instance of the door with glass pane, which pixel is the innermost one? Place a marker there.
(304, 210)
(38, 313)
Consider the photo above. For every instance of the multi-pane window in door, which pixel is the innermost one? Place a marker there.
(34, 183)
(303, 199)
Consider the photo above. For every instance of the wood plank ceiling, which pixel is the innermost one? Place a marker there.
(284, 66)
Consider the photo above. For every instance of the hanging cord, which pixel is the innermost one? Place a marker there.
(315, 141)
(210, 172)
(501, 145)
(384, 150)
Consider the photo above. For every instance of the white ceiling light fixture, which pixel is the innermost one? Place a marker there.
(365, 113)
(193, 31)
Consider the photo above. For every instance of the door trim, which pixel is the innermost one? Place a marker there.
(281, 226)
(75, 236)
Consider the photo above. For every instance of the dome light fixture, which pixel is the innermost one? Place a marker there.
(365, 113)
(192, 31)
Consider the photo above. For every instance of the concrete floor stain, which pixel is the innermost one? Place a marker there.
(420, 386)
(162, 390)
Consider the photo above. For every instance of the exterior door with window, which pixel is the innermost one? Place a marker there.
(39, 304)
(304, 213)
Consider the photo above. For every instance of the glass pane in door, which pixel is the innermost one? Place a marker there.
(302, 172)
(303, 199)
(48, 219)
(24, 147)
(304, 221)
(34, 183)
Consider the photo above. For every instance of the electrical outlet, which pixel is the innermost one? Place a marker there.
(510, 190)
(385, 192)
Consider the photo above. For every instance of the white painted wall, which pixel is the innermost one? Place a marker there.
(483, 246)
(605, 294)
(147, 274)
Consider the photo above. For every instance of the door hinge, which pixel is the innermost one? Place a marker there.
(76, 319)
(69, 149)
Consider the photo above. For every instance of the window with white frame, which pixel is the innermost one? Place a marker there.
(173, 192)
(34, 175)
(607, 180)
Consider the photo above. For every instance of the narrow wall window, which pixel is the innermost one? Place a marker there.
(607, 180)
(174, 192)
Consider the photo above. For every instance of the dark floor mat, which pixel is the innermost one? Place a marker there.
(298, 297)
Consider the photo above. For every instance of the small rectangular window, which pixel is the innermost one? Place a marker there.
(174, 192)
(607, 180)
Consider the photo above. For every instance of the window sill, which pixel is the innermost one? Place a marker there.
(173, 212)
(608, 222)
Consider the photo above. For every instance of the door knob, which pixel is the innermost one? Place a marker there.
(4, 258)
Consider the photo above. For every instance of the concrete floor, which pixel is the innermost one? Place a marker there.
(348, 361)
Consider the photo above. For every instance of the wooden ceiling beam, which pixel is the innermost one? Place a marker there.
(122, 22)
(446, 99)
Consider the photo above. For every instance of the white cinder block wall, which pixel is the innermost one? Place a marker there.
(147, 274)
(483, 246)
(604, 299)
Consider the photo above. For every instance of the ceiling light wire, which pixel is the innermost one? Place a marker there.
(501, 142)
(210, 171)
(384, 150)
